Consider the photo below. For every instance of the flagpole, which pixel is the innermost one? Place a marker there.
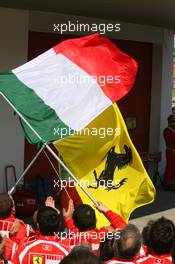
(51, 151)
(28, 167)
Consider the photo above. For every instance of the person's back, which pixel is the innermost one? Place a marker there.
(42, 250)
(159, 242)
(47, 248)
(81, 223)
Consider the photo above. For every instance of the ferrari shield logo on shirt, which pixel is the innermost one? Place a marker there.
(158, 261)
(45, 259)
(37, 260)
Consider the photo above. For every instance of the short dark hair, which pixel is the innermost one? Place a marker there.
(81, 256)
(6, 205)
(48, 220)
(129, 243)
(162, 236)
(106, 248)
(84, 217)
(146, 233)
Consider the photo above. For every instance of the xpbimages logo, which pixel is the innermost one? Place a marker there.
(100, 132)
(70, 26)
(85, 236)
(101, 184)
(74, 79)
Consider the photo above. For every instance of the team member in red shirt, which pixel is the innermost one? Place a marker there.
(127, 246)
(8, 220)
(47, 248)
(107, 247)
(81, 223)
(15, 230)
(159, 242)
(169, 136)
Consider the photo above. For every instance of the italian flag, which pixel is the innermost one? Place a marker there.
(65, 88)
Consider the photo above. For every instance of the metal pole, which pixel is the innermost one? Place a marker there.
(28, 167)
(51, 151)
(72, 175)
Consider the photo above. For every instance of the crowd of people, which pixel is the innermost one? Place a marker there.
(46, 242)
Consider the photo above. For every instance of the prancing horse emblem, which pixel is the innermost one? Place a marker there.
(113, 160)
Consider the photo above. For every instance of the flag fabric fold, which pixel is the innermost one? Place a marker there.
(104, 152)
(66, 87)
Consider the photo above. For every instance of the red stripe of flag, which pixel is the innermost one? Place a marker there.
(98, 56)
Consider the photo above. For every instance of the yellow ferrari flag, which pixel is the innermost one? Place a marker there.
(104, 159)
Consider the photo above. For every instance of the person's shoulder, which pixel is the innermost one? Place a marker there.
(64, 242)
(28, 242)
(145, 259)
(168, 130)
(21, 251)
(54, 240)
(9, 219)
(155, 259)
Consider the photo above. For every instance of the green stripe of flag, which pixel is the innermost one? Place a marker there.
(40, 116)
